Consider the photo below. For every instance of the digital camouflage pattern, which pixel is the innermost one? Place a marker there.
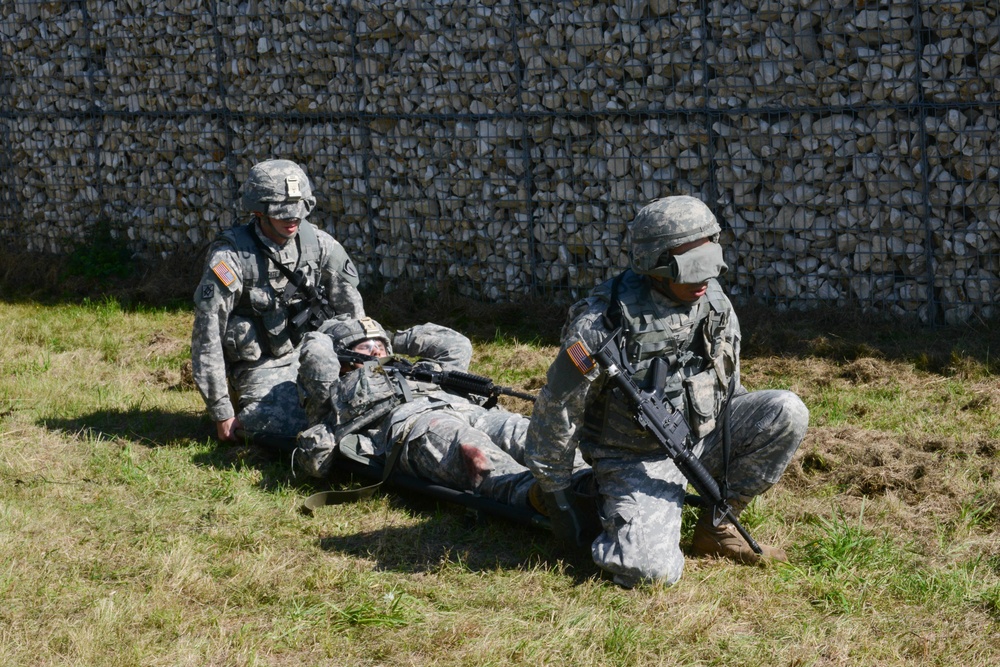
(641, 490)
(279, 189)
(664, 224)
(447, 439)
(226, 351)
(345, 332)
(232, 357)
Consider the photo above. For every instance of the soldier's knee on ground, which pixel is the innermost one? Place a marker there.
(664, 574)
(314, 451)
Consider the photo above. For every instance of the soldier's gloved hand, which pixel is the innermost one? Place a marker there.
(567, 524)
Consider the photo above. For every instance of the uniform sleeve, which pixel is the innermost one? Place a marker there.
(340, 277)
(319, 369)
(437, 343)
(214, 299)
(572, 379)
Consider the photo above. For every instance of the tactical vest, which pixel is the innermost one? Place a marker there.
(680, 352)
(260, 302)
(365, 395)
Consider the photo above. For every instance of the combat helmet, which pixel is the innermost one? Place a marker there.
(347, 332)
(666, 223)
(279, 189)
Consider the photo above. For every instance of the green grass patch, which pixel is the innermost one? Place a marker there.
(129, 537)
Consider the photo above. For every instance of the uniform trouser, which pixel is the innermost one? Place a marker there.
(268, 402)
(467, 447)
(642, 496)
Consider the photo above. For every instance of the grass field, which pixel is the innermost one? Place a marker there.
(129, 537)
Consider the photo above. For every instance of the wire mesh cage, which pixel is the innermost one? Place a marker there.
(848, 147)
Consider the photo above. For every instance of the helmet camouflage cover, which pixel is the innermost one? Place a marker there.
(348, 332)
(666, 223)
(279, 189)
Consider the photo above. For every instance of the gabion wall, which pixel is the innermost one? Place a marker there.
(849, 147)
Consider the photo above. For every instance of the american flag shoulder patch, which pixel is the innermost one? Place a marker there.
(580, 356)
(224, 273)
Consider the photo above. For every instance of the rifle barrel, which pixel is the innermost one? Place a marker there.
(476, 385)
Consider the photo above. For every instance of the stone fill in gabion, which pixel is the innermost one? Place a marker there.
(849, 147)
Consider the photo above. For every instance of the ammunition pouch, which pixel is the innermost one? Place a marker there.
(705, 398)
(363, 397)
(240, 342)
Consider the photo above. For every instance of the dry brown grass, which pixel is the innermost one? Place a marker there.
(127, 537)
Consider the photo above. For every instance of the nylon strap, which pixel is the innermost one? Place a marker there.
(346, 448)
(323, 498)
(727, 445)
(274, 260)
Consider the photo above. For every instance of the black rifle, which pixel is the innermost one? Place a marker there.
(670, 428)
(456, 381)
(304, 314)
(311, 309)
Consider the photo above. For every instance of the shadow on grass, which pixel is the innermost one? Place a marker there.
(846, 334)
(55, 279)
(448, 535)
(152, 428)
(159, 428)
(452, 537)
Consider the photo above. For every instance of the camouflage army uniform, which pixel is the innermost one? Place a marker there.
(642, 491)
(446, 438)
(241, 347)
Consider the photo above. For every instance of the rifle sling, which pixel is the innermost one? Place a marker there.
(288, 273)
(331, 497)
(727, 446)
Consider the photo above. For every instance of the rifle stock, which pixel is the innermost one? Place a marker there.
(671, 429)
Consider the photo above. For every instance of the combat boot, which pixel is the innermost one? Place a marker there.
(725, 541)
(536, 499)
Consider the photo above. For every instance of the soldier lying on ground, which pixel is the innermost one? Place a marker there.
(442, 436)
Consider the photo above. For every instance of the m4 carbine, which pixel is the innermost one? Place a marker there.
(670, 428)
(454, 381)
(311, 309)
(308, 311)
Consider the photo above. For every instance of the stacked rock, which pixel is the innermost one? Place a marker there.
(849, 147)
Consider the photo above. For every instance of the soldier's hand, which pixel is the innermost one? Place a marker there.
(226, 429)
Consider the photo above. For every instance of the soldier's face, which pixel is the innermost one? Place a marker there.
(373, 347)
(278, 230)
(682, 292)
